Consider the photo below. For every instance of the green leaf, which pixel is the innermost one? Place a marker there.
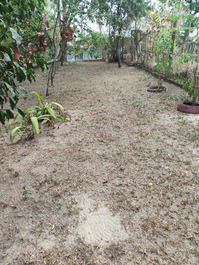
(27, 111)
(44, 117)
(12, 103)
(35, 124)
(51, 112)
(9, 114)
(58, 105)
(10, 88)
(61, 117)
(14, 132)
(21, 72)
(6, 57)
(39, 98)
(2, 116)
(21, 112)
(23, 92)
(16, 36)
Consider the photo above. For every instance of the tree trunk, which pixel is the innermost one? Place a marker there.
(173, 37)
(118, 52)
(132, 46)
(63, 53)
(122, 56)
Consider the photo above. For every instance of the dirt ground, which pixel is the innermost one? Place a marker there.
(118, 185)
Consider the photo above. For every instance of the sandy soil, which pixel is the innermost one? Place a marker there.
(118, 185)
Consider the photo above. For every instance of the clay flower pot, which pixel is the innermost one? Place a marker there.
(156, 89)
(188, 107)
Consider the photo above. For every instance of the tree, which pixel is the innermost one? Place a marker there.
(22, 43)
(89, 41)
(118, 15)
(163, 52)
(72, 12)
(193, 6)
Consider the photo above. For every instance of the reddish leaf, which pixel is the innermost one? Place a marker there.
(63, 35)
(41, 36)
(70, 34)
(27, 58)
(45, 21)
(32, 48)
(67, 35)
(17, 54)
(45, 45)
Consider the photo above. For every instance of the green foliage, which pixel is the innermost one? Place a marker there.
(91, 42)
(163, 52)
(188, 86)
(96, 41)
(193, 6)
(36, 116)
(74, 12)
(118, 15)
(185, 57)
(20, 23)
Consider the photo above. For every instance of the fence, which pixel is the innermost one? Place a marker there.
(139, 50)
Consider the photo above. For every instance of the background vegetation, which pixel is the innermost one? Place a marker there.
(34, 32)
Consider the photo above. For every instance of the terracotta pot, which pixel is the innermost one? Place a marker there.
(188, 107)
(156, 89)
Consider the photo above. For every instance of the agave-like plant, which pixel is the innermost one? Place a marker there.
(32, 117)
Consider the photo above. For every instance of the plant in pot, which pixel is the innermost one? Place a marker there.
(162, 51)
(191, 86)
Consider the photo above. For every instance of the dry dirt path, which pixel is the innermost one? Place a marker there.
(118, 185)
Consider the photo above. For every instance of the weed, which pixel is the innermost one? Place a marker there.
(193, 138)
(47, 180)
(25, 193)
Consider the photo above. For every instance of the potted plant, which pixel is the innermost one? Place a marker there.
(191, 86)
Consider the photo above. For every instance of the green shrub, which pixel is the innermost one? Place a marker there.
(34, 117)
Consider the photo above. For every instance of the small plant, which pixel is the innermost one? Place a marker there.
(32, 118)
(162, 51)
(25, 193)
(185, 58)
(193, 94)
(190, 84)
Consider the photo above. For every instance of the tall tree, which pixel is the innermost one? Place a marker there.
(118, 15)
